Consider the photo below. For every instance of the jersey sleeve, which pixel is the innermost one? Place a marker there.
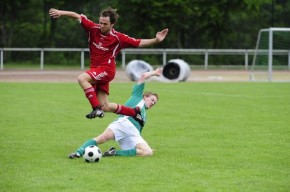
(86, 23)
(136, 96)
(127, 41)
(136, 99)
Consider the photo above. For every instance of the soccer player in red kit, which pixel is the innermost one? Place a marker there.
(104, 44)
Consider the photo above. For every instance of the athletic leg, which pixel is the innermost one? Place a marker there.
(85, 83)
(129, 139)
(107, 135)
(102, 138)
(126, 153)
(81, 150)
(114, 107)
(144, 150)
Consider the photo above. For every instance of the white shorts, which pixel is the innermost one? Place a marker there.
(126, 134)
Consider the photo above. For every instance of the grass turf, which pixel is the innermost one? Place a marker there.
(206, 136)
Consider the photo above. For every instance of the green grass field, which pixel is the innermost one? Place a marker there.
(206, 136)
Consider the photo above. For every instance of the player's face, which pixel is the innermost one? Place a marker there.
(106, 25)
(150, 101)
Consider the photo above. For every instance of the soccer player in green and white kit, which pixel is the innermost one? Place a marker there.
(127, 130)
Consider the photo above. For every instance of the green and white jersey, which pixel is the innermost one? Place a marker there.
(135, 100)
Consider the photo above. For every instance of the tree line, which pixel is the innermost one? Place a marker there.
(223, 24)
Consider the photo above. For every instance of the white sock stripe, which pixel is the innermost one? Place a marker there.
(89, 90)
(118, 109)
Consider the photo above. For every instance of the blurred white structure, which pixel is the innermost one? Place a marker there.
(176, 70)
(136, 68)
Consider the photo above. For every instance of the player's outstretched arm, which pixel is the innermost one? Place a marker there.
(55, 13)
(146, 75)
(160, 36)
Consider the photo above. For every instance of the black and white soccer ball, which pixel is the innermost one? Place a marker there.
(92, 154)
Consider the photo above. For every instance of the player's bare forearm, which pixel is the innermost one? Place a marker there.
(55, 13)
(160, 36)
(147, 75)
(147, 42)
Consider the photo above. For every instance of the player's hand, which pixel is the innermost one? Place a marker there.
(158, 71)
(54, 13)
(160, 36)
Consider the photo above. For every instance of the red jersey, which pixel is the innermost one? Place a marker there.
(104, 48)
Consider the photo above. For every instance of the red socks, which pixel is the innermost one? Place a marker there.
(92, 97)
(123, 110)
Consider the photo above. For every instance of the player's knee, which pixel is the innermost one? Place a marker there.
(80, 79)
(148, 153)
(103, 138)
(83, 78)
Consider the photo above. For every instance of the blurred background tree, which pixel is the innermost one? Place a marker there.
(223, 24)
(192, 23)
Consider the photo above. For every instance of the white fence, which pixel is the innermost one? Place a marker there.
(164, 52)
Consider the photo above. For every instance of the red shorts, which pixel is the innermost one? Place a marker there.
(102, 76)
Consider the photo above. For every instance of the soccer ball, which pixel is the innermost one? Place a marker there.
(92, 154)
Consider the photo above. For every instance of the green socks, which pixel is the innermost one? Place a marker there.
(81, 150)
(130, 152)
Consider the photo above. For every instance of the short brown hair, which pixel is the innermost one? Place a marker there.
(147, 94)
(111, 13)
